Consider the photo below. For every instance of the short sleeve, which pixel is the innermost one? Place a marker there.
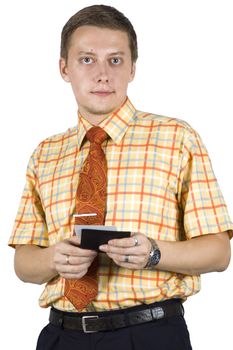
(201, 200)
(30, 224)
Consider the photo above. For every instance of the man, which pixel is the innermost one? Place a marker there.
(160, 187)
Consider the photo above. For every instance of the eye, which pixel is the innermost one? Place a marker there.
(87, 60)
(116, 60)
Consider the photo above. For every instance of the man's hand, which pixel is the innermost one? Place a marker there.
(39, 265)
(192, 257)
(130, 253)
(70, 261)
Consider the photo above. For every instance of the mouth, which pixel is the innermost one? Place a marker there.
(102, 93)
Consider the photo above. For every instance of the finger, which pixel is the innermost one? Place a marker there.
(76, 251)
(129, 264)
(106, 248)
(74, 240)
(84, 253)
(75, 244)
(73, 269)
(122, 242)
(73, 260)
(127, 259)
(134, 240)
(138, 250)
(68, 275)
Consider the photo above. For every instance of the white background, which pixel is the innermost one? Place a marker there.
(184, 70)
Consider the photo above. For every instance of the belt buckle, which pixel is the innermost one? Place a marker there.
(158, 313)
(84, 318)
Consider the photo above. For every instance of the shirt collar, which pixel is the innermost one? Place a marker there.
(115, 124)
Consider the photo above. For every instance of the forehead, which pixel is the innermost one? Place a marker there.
(94, 38)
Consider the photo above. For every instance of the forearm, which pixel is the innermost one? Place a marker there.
(196, 256)
(34, 264)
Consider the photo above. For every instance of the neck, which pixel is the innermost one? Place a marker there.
(93, 119)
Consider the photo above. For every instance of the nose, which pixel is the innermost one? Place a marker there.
(102, 73)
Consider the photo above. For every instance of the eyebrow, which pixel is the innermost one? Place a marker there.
(86, 53)
(121, 53)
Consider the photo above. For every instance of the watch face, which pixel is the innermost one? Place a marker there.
(155, 257)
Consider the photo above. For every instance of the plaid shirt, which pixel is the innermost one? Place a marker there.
(160, 183)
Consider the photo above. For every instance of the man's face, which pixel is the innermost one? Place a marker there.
(99, 68)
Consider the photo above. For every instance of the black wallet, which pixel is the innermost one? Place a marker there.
(92, 239)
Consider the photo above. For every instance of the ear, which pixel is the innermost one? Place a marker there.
(64, 70)
(133, 71)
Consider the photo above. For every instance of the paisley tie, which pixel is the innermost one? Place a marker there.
(90, 198)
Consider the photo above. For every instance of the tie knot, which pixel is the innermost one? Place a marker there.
(97, 135)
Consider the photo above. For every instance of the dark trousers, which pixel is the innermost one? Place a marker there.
(163, 334)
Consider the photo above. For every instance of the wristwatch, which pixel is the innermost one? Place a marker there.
(155, 254)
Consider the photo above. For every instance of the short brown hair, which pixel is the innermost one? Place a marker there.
(100, 16)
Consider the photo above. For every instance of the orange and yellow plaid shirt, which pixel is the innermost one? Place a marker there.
(160, 183)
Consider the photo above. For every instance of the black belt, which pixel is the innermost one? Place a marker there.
(111, 320)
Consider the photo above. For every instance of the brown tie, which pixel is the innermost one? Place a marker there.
(90, 198)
